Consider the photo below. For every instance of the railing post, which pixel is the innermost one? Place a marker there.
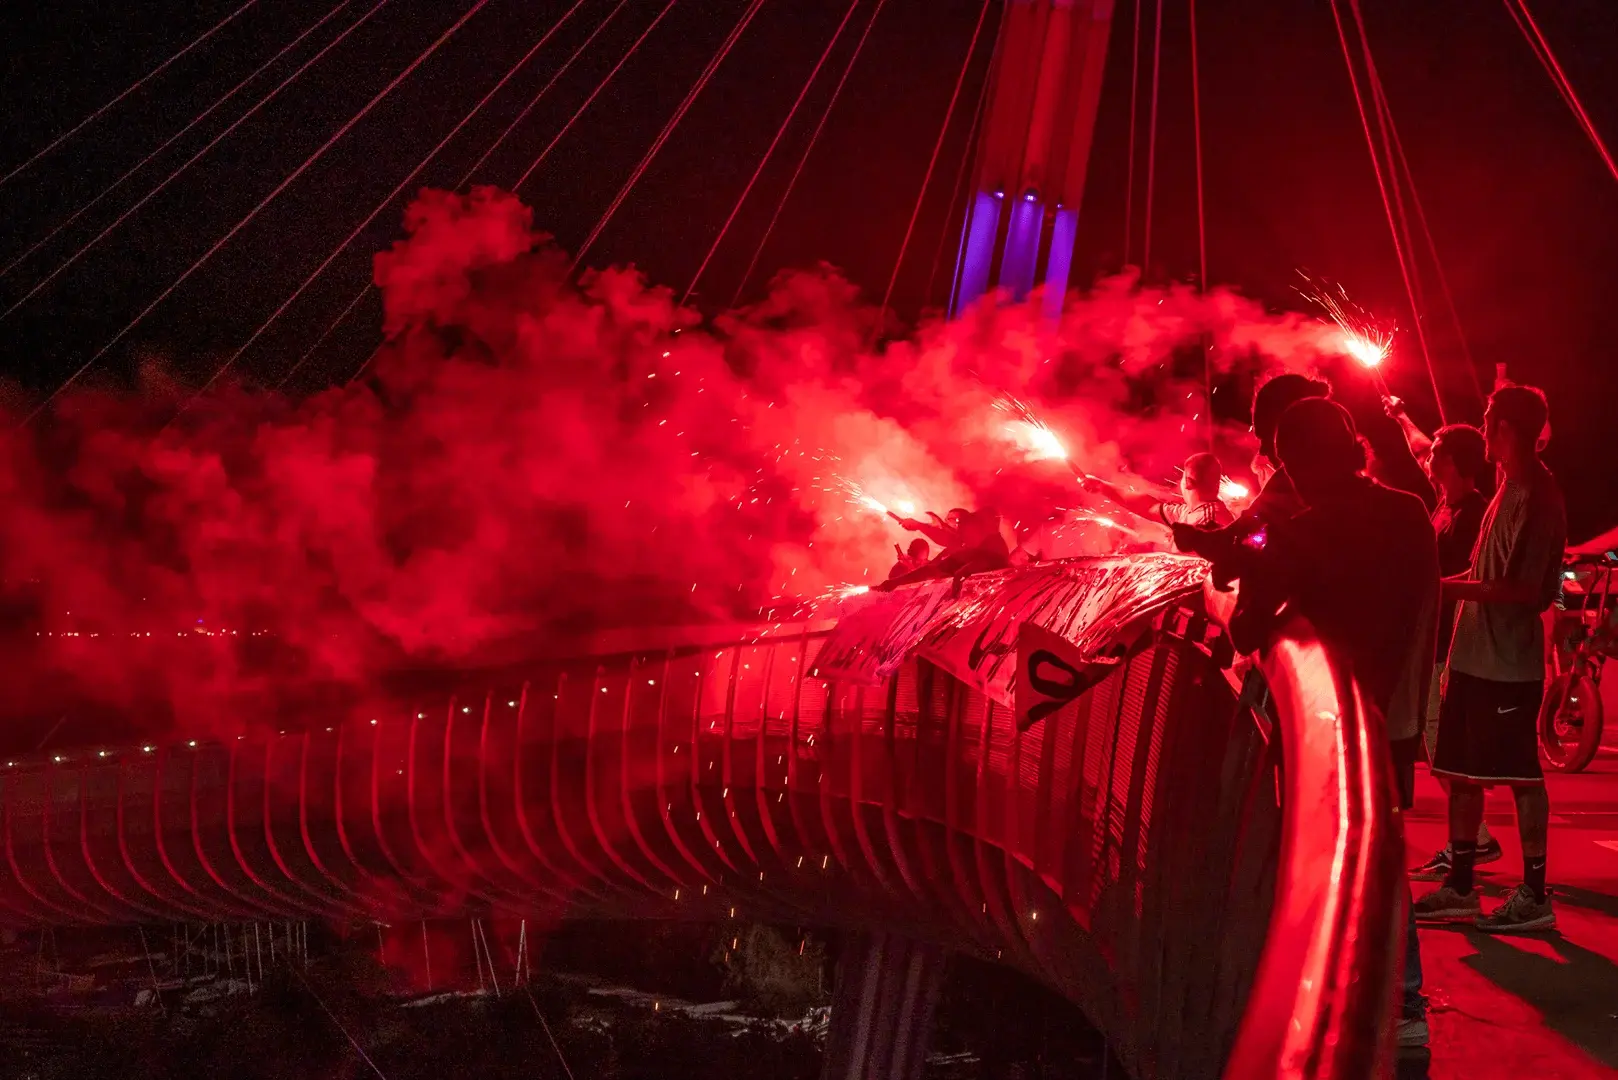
(882, 1009)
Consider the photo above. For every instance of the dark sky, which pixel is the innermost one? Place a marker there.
(1524, 214)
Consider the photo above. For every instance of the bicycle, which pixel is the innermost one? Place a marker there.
(1571, 716)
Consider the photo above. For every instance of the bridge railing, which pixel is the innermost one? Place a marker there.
(1322, 1004)
(1124, 849)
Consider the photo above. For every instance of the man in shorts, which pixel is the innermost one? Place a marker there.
(1458, 462)
(1487, 731)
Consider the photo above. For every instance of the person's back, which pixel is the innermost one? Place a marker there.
(1360, 562)
(1371, 590)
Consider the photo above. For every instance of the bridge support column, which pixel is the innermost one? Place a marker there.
(882, 1010)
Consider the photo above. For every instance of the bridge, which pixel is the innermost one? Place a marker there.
(1212, 874)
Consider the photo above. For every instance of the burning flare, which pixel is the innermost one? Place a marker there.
(1031, 434)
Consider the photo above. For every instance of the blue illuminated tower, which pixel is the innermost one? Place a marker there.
(1033, 151)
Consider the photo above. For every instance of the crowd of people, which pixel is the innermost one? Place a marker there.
(1424, 563)
(1430, 590)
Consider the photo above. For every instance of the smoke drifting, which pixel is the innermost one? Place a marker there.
(528, 459)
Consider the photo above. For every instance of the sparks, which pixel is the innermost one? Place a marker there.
(1233, 490)
(1031, 434)
(1362, 339)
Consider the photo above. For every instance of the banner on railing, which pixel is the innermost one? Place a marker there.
(973, 634)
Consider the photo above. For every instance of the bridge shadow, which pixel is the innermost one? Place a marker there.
(1574, 990)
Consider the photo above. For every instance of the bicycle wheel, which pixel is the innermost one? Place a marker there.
(1570, 721)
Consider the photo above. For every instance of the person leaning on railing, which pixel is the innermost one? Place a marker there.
(1360, 563)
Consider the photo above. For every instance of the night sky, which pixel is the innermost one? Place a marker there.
(1523, 212)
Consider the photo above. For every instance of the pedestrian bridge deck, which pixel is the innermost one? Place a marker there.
(1129, 849)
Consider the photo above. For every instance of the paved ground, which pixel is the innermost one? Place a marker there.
(1545, 1006)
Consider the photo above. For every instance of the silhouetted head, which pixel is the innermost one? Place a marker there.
(1199, 479)
(1274, 398)
(1512, 424)
(919, 550)
(956, 518)
(1459, 460)
(1318, 445)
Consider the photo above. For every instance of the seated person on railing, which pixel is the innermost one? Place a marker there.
(973, 543)
(1197, 504)
(910, 559)
(1360, 562)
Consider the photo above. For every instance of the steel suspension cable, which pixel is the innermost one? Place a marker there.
(602, 85)
(543, 154)
(1438, 264)
(1379, 103)
(1151, 140)
(136, 85)
(1528, 25)
(193, 159)
(1387, 205)
(1202, 218)
(336, 136)
(769, 151)
(1129, 168)
(386, 201)
(668, 128)
(172, 139)
(365, 289)
(967, 160)
(1399, 165)
(808, 149)
(932, 162)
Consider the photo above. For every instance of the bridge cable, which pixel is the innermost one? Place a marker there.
(358, 1049)
(172, 139)
(1202, 219)
(1129, 169)
(602, 85)
(386, 201)
(1542, 49)
(1388, 207)
(769, 151)
(668, 128)
(808, 149)
(1151, 141)
(365, 290)
(967, 160)
(543, 154)
(134, 86)
(336, 136)
(193, 159)
(932, 162)
(1399, 165)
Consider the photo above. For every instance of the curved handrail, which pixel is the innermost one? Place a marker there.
(1322, 999)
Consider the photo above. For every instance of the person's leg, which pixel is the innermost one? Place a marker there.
(1415, 1003)
(1465, 813)
(1529, 908)
(1533, 827)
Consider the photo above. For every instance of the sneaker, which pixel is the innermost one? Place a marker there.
(1521, 912)
(1446, 903)
(1437, 867)
(1413, 1034)
(1434, 869)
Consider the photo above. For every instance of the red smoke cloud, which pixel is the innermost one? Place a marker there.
(527, 459)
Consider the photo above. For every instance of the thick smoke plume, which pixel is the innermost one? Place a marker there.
(529, 459)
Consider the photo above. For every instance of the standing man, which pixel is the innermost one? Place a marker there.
(1458, 462)
(1487, 732)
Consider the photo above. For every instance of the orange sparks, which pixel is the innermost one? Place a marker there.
(1233, 490)
(1031, 434)
(1362, 339)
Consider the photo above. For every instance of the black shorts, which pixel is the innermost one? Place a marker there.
(1488, 731)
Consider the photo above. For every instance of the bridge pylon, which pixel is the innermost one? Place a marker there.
(1033, 151)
